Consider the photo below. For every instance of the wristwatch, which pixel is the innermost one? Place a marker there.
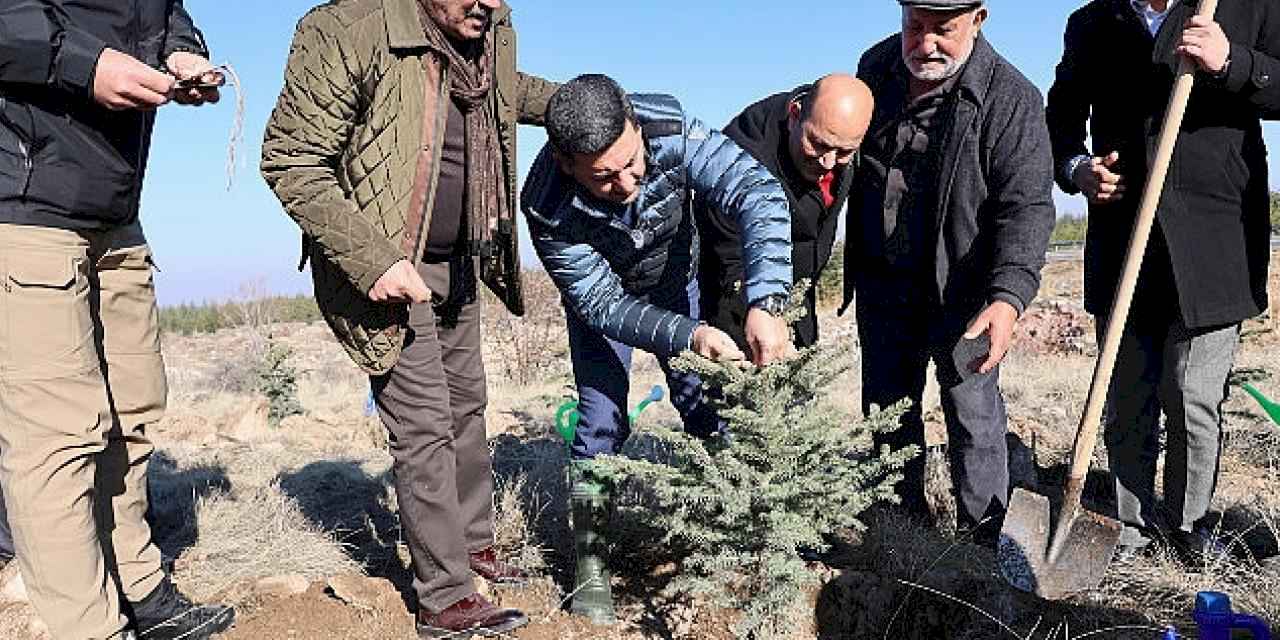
(774, 305)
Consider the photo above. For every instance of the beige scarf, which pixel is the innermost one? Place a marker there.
(470, 73)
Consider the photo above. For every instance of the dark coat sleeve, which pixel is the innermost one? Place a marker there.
(1019, 205)
(40, 46)
(1255, 66)
(183, 34)
(1068, 109)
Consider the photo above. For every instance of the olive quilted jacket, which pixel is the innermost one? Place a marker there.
(352, 152)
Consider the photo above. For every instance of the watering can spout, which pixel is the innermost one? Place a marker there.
(655, 395)
(567, 415)
(1272, 409)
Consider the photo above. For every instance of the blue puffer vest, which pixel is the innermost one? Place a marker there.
(616, 263)
(662, 239)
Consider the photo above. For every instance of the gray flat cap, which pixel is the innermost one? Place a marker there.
(942, 5)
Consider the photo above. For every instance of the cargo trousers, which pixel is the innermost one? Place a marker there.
(81, 377)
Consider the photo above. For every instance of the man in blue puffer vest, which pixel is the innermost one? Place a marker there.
(608, 202)
(609, 208)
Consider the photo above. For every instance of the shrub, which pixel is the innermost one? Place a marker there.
(527, 349)
(831, 279)
(1070, 228)
(278, 381)
(793, 470)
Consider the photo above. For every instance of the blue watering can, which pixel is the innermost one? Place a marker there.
(1215, 620)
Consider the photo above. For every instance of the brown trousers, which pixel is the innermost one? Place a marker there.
(433, 404)
(80, 378)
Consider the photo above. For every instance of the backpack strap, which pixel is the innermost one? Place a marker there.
(662, 128)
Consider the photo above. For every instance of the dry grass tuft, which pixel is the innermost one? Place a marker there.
(517, 510)
(531, 348)
(253, 535)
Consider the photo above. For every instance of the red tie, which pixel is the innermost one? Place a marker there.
(824, 185)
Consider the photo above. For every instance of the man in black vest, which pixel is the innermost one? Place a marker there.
(1206, 268)
(807, 138)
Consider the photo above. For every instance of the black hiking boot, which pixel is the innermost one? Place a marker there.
(166, 614)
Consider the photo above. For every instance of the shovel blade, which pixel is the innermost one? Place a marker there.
(1025, 551)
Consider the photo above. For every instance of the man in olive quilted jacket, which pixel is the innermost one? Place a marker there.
(393, 147)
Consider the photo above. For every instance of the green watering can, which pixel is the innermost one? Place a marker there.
(1272, 409)
(567, 415)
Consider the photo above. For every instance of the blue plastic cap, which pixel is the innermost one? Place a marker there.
(1213, 602)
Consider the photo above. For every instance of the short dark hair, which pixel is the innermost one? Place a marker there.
(588, 114)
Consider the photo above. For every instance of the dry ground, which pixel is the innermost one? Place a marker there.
(236, 501)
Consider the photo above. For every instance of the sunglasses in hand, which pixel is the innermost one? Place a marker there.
(209, 79)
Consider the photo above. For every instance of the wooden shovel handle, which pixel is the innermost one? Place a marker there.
(1092, 418)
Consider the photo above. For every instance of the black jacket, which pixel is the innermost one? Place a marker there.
(761, 129)
(1212, 232)
(65, 161)
(995, 189)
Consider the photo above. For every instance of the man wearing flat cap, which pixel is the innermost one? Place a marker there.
(947, 232)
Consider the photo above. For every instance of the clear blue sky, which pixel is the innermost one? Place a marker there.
(716, 55)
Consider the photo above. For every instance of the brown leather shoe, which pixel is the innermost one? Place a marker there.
(468, 617)
(487, 565)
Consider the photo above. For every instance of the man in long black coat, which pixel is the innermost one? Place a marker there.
(1205, 270)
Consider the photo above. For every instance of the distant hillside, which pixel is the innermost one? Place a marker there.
(207, 317)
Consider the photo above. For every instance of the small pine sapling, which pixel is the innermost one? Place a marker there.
(792, 469)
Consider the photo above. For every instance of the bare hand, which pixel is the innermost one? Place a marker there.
(997, 321)
(1096, 180)
(401, 283)
(769, 338)
(191, 68)
(121, 82)
(1205, 43)
(714, 344)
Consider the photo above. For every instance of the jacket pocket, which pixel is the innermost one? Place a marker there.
(1211, 171)
(47, 316)
(87, 169)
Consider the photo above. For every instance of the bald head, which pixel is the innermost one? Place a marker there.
(828, 124)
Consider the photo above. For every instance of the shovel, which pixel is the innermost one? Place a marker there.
(1076, 557)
